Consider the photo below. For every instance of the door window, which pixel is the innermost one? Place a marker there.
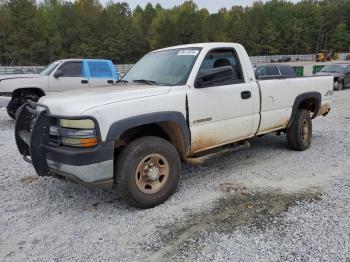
(220, 58)
(99, 69)
(272, 71)
(72, 69)
(287, 71)
(261, 71)
(348, 70)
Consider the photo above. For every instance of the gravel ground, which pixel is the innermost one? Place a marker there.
(260, 203)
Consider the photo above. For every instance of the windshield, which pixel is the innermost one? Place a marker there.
(48, 70)
(334, 69)
(168, 67)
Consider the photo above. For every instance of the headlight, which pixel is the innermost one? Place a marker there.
(77, 133)
(84, 123)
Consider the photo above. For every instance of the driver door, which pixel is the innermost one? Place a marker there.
(68, 76)
(221, 113)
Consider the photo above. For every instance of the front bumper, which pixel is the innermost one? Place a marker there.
(4, 101)
(6, 94)
(5, 98)
(91, 167)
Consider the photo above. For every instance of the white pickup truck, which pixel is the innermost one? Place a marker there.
(175, 104)
(61, 75)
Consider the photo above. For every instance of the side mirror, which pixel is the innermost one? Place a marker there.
(214, 76)
(58, 73)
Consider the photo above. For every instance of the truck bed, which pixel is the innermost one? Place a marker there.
(278, 96)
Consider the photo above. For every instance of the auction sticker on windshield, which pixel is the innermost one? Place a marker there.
(188, 52)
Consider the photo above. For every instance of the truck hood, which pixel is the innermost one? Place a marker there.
(17, 76)
(76, 102)
(335, 74)
(8, 83)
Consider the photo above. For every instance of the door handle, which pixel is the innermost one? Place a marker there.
(110, 81)
(246, 94)
(84, 81)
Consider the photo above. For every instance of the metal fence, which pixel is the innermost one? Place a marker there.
(124, 68)
(257, 60)
(4, 70)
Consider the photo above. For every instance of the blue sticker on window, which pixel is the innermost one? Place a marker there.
(99, 69)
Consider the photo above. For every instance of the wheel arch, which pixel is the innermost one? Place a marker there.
(310, 101)
(170, 125)
(23, 90)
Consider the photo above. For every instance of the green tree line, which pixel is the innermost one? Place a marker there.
(34, 33)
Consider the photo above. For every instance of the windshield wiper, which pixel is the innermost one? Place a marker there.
(148, 82)
(151, 82)
(122, 81)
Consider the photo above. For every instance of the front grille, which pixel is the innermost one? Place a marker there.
(54, 138)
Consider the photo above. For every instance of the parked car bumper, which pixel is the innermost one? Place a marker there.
(6, 94)
(4, 101)
(91, 167)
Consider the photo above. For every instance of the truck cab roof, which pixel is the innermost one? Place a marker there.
(201, 45)
(80, 59)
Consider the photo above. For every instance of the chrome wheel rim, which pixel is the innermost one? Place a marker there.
(152, 173)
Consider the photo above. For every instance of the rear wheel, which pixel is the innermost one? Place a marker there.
(147, 171)
(299, 134)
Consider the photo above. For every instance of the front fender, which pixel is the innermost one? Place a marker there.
(10, 85)
(119, 127)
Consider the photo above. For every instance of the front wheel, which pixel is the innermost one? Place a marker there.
(16, 103)
(147, 171)
(299, 134)
(11, 108)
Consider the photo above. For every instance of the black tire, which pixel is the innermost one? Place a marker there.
(16, 103)
(299, 134)
(341, 85)
(129, 179)
(12, 109)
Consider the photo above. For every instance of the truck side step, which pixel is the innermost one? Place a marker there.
(198, 160)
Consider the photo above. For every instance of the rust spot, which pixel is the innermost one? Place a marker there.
(203, 142)
(216, 153)
(324, 109)
(174, 132)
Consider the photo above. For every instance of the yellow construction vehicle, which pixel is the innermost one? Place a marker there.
(324, 56)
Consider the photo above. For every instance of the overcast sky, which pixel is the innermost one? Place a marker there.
(211, 5)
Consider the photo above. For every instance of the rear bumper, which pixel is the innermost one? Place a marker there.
(91, 167)
(324, 109)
